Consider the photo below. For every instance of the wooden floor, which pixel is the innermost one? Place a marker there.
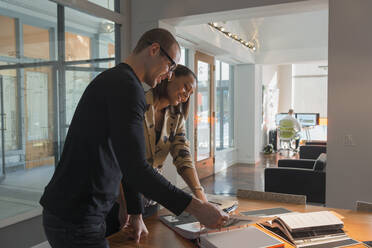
(241, 176)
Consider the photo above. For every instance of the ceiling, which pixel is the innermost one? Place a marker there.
(283, 35)
(309, 29)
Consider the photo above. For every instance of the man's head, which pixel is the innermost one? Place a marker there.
(160, 52)
(290, 111)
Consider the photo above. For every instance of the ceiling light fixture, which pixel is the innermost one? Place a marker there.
(252, 44)
(107, 27)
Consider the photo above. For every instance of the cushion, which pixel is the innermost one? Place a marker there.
(321, 162)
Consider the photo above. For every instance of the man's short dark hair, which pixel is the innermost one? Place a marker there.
(159, 35)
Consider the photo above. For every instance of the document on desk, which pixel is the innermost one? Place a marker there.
(304, 221)
(321, 229)
(245, 237)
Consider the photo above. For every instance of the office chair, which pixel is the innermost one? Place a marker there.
(287, 133)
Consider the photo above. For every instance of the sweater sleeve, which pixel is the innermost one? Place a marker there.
(180, 148)
(125, 106)
(133, 199)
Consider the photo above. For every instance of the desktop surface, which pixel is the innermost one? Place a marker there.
(358, 225)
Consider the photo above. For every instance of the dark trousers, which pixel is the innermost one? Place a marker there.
(63, 234)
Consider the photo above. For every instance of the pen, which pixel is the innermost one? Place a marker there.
(215, 203)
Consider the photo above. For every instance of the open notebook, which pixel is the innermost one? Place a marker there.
(314, 229)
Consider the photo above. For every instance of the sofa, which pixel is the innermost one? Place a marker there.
(300, 177)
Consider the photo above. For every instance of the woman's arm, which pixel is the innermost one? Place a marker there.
(180, 151)
(190, 176)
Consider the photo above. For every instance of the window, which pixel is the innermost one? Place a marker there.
(40, 87)
(224, 105)
(93, 43)
(184, 61)
(108, 4)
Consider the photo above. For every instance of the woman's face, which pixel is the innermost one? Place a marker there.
(180, 89)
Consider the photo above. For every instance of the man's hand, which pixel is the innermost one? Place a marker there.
(207, 214)
(138, 227)
(123, 216)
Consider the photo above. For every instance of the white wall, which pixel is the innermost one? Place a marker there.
(349, 168)
(248, 86)
(285, 88)
(310, 88)
(293, 38)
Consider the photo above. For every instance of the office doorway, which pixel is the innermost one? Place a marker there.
(204, 115)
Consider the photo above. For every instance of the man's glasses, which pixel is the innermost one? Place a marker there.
(173, 65)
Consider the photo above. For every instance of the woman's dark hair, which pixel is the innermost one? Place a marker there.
(160, 91)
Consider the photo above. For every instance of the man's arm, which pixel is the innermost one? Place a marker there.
(133, 198)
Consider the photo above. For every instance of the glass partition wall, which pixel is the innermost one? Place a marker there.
(48, 55)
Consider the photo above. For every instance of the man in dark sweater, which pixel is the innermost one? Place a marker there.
(105, 146)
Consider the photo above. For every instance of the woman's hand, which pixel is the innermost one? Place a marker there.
(200, 195)
(139, 228)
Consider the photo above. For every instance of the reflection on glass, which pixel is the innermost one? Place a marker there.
(39, 125)
(10, 109)
(77, 47)
(37, 105)
(203, 112)
(95, 40)
(36, 42)
(7, 37)
(76, 82)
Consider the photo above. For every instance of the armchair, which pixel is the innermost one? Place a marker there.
(299, 177)
(316, 143)
(312, 151)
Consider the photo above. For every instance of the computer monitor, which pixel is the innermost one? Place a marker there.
(308, 119)
(278, 117)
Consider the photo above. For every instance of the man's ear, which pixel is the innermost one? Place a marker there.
(172, 77)
(154, 49)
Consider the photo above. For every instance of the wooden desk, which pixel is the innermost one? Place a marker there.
(357, 225)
